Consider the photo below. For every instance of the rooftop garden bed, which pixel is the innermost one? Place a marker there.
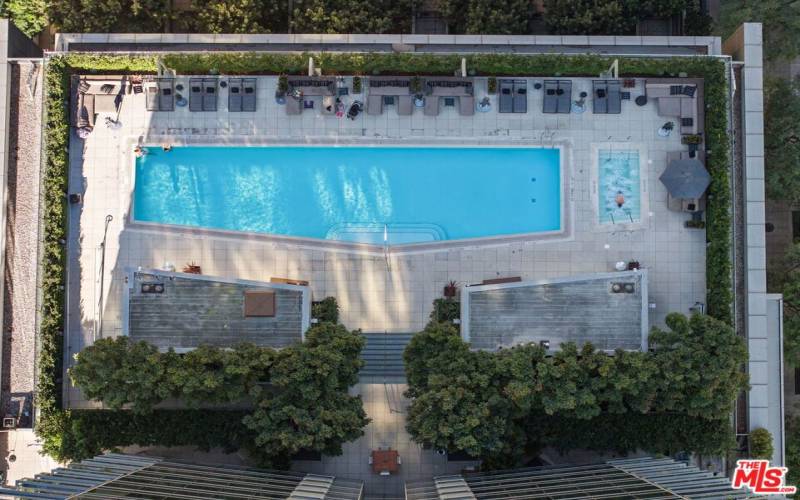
(58, 427)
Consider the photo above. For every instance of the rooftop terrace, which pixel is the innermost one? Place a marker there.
(183, 311)
(607, 310)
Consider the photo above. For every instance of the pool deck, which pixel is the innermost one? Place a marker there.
(377, 292)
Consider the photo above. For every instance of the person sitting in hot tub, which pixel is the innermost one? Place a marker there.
(620, 200)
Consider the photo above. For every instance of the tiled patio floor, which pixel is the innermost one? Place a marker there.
(372, 296)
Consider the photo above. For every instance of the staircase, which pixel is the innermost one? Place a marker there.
(383, 355)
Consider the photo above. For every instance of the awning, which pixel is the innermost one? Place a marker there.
(686, 178)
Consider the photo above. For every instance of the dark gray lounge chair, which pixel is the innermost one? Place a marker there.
(234, 95)
(166, 98)
(599, 97)
(195, 94)
(520, 99)
(210, 94)
(249, 95)
(550, 101)
(614, 97)
(564, 96)
(506, 96)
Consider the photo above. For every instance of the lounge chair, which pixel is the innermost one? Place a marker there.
(166, 98)
(210, 94)
(195, 94)
(85, 113)
(520, 99)
(506, 96)
(599, 97)
(249, 95)
(234, 95)
(328, 105)
(374, 104)
(614, 97)
(405, 105)
(550, 101)
(564, 96)
(432, 105)
(151, 97)
(466, 105)
(294, 106)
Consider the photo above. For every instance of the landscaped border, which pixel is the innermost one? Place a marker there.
(53, 420)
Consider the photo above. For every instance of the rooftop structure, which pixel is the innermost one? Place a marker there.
(619, 479)
(608, 310)
(116, 476)
(183, 311)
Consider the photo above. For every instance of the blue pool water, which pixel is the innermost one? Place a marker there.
(618, 174)
(362, 194)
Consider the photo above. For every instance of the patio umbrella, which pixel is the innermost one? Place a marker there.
(686, 178)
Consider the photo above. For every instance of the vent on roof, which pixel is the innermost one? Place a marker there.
(152, 288)
(623, 288)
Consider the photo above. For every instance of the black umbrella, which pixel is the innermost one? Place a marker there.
(686, 178)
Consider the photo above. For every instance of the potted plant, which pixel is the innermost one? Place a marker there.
(666, 129)
(415, 85)
(695, 224)
(192, 268)
(356, 84)
(491, 85)
(450, 289)
(693, 141)
(283, 88)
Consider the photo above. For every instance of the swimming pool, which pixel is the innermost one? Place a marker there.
(396, 195)
(619, 186)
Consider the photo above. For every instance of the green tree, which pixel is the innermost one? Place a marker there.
(240, 16)
(117, 372)
(213, 375)
(30, 16)
(352, 16)
(781, 20)
(487, 17)
(326, 309)
(307, 406)
(785, 279)
(782, 139)
(607, 17)
(103, 16)
(699, 365)
(793, 449)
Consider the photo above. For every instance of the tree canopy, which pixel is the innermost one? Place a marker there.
(782, 139)
(299, 393)
(785, 279)
(781, 20)
(483, 403)
(608, 17)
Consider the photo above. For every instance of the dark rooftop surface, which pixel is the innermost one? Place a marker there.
(579, 310)
(194, 311)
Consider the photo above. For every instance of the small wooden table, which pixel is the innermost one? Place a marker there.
(384, 462)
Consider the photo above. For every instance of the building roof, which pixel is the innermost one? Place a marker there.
(195, 309)
(651, 478)
(116, 476)
(576, 309)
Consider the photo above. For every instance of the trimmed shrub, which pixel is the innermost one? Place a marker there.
(760, 443)
(326, 309)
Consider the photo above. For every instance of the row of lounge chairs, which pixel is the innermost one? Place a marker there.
(160, 94)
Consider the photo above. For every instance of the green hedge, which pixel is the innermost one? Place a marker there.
(59, 68)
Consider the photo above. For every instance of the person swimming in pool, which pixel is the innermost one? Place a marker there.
(139, 151)
(620, 199)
